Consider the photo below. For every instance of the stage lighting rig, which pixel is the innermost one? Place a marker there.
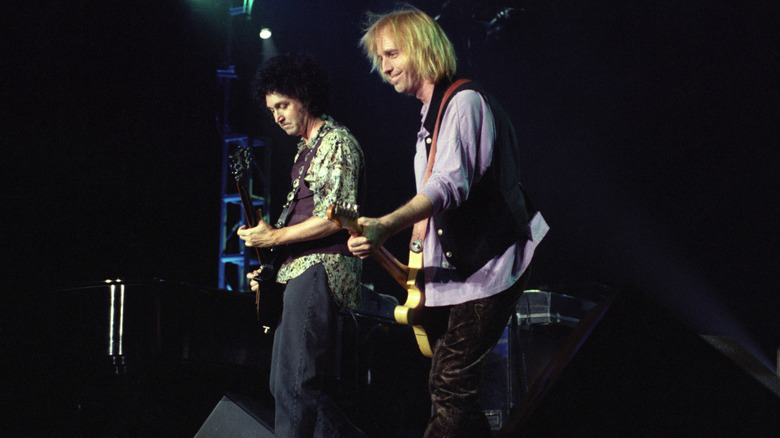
(497, 22)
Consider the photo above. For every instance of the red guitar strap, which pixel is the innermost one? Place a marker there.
(420, 228)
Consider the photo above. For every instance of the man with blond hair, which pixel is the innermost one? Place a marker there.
(473, 223)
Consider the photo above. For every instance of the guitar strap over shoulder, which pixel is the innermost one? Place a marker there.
(292, 196)
(420, 228)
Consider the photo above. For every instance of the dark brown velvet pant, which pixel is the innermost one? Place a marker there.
(473, 330)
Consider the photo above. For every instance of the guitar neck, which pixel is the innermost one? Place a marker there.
(246, 203)
(396, 269)
(251, 219)
(346, 217)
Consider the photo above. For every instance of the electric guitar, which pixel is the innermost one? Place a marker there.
(268, 303)
(412, 312)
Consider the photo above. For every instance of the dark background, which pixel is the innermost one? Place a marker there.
(649, 134)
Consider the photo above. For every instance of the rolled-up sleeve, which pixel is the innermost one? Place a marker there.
(463, 151)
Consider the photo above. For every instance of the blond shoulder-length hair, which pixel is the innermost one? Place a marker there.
(430, 52)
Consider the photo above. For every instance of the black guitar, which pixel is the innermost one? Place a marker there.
(268, 300)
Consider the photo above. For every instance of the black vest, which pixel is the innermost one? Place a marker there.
(497, 210)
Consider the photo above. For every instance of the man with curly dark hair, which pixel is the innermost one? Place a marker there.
(320, 275)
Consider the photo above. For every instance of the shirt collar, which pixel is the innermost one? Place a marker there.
(328, 120)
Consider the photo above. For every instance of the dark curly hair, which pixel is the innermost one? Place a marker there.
(293, 75)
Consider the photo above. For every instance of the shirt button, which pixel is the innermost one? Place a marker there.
(439, 231)
(448, 254)
(428, 140)
(445, 265)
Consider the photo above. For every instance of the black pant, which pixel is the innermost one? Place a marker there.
(301, 358)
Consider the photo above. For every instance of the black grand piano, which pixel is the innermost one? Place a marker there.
(153, 357)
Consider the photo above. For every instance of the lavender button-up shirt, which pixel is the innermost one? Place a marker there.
(464, 152)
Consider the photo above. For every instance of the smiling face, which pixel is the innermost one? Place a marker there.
(395, 65)
(411, 52)
(289, 113)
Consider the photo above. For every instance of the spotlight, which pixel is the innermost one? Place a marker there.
(265, 33)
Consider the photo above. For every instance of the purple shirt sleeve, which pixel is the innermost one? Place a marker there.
(463, 153)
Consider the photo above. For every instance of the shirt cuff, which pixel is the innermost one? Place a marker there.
(435, 196)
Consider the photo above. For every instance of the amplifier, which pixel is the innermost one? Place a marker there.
(540, 325)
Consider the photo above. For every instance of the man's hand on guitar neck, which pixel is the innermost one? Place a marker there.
(260, 236)
(377, 231)
(374, 234)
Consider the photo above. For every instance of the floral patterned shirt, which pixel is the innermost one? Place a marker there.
(333, 176)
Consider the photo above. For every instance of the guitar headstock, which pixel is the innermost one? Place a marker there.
(240, 161)
(345, 215)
